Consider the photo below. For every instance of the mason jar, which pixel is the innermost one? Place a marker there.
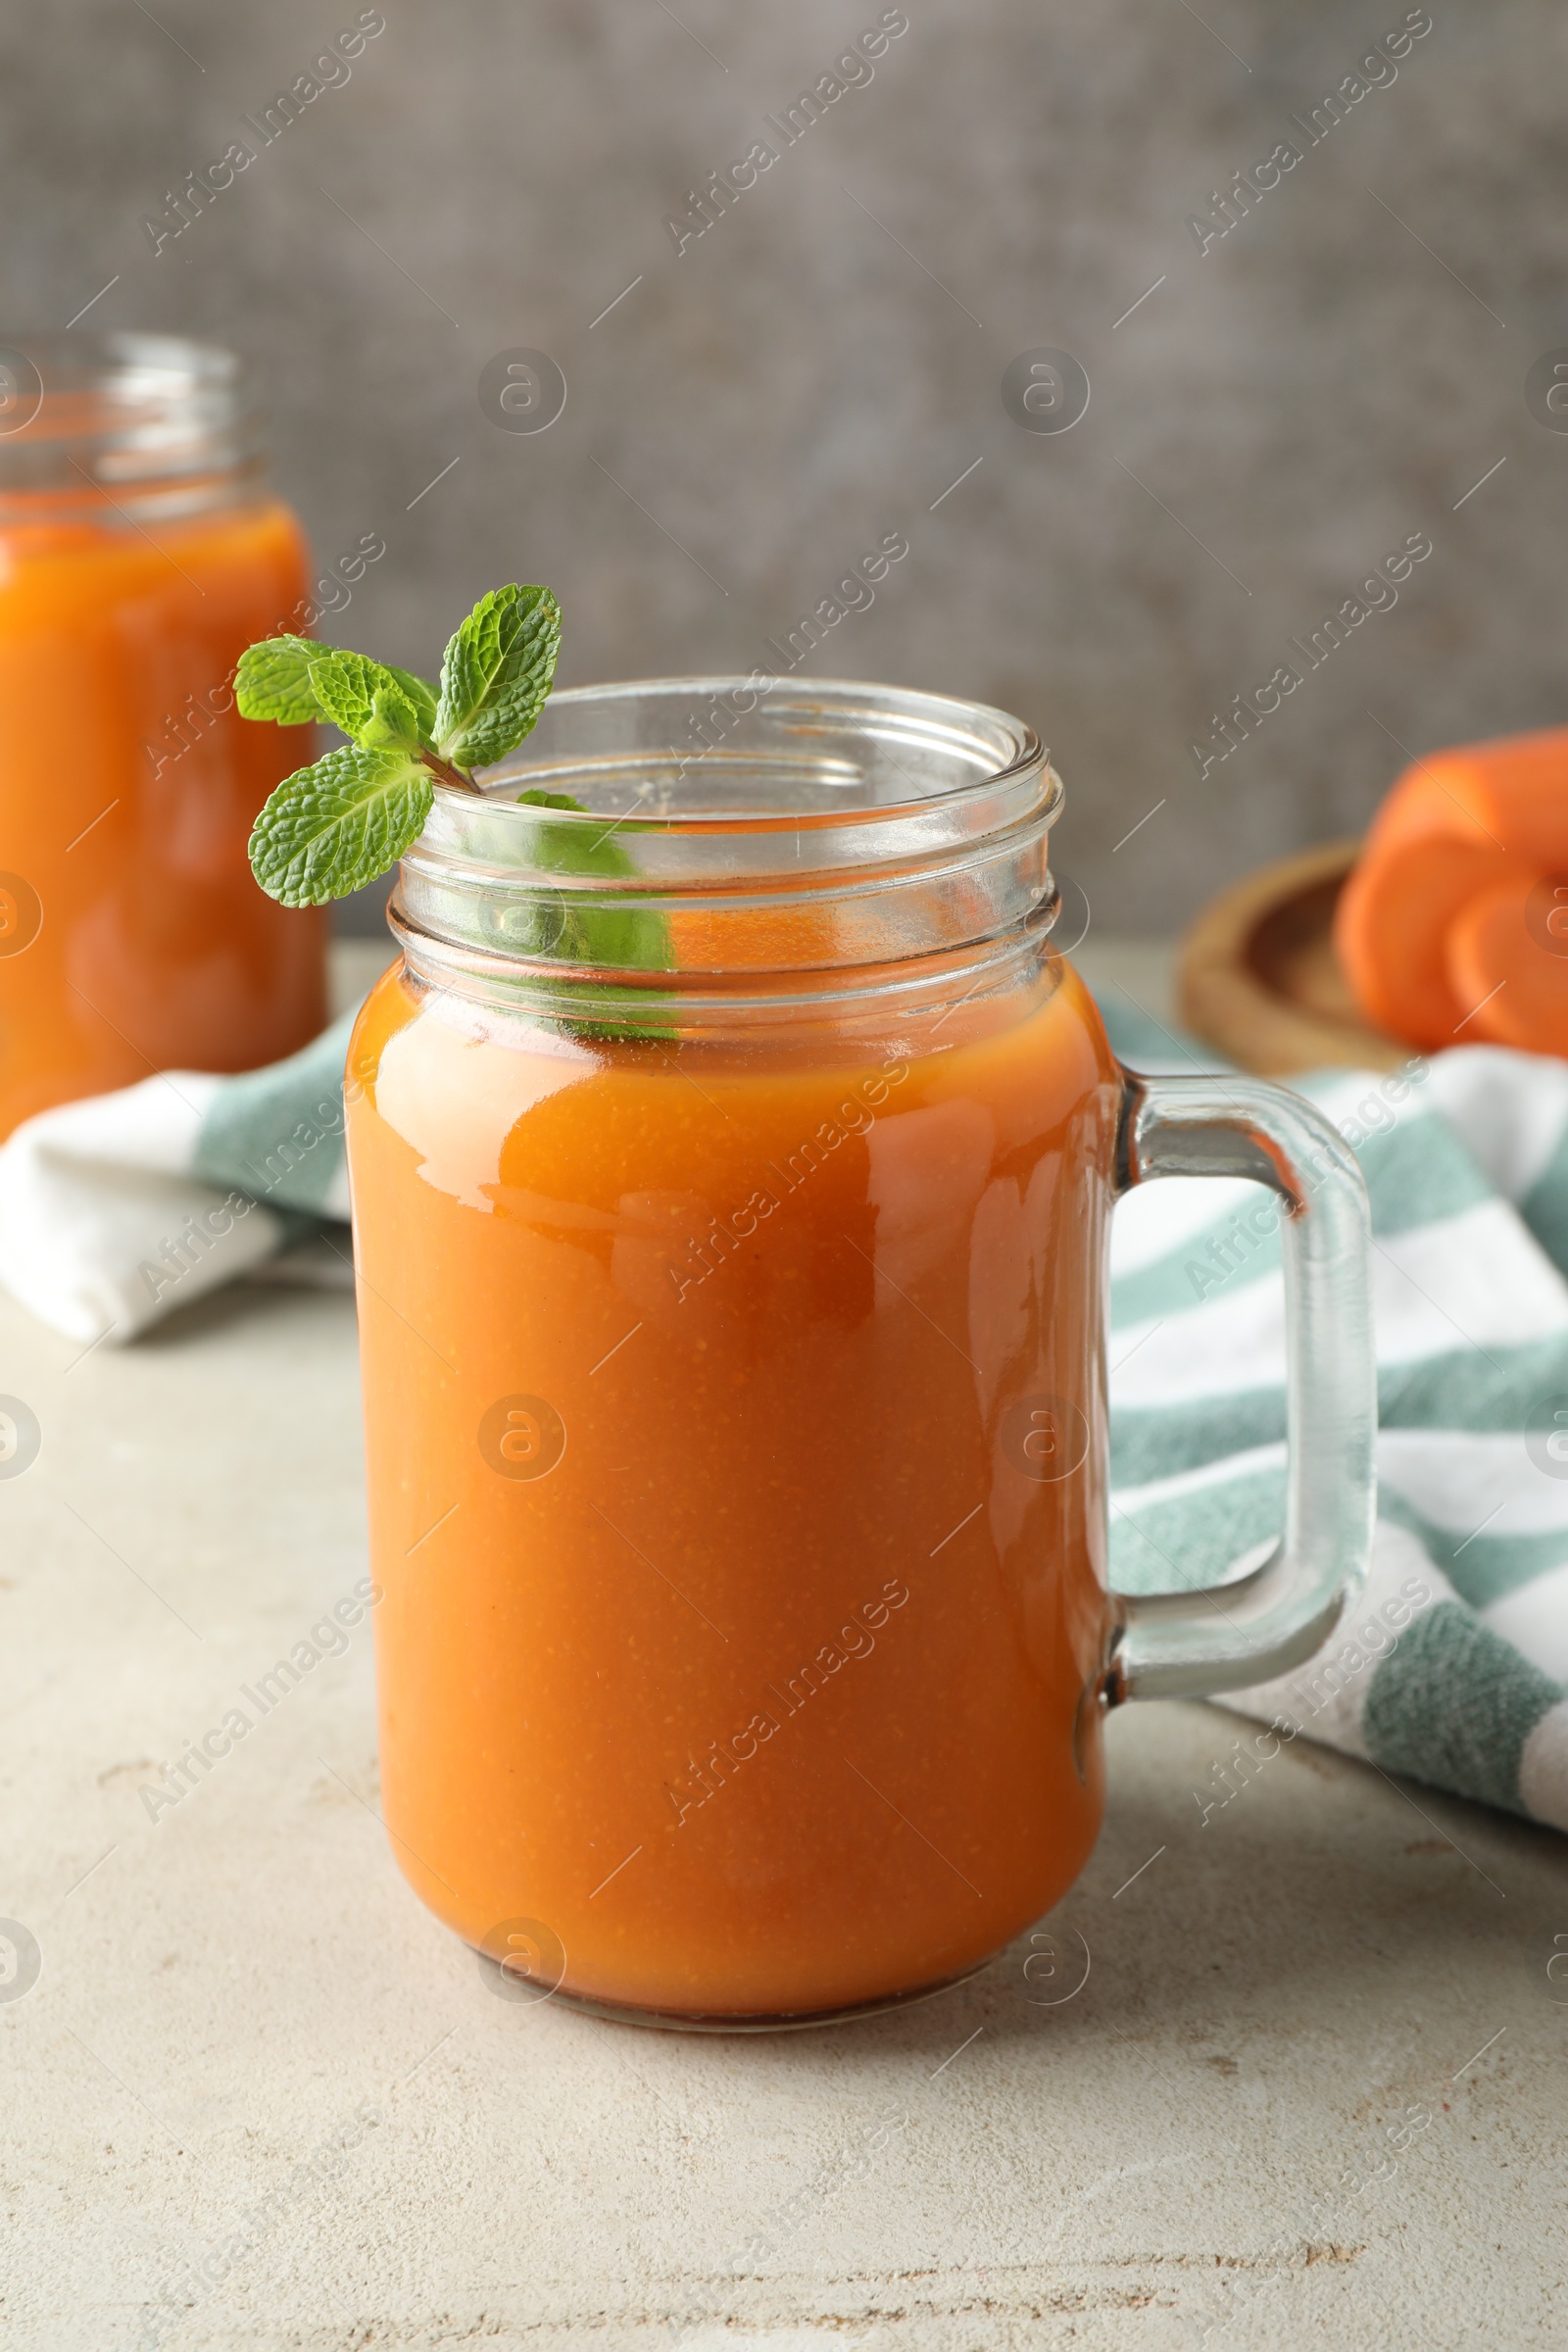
(732, 1157)
(140, 553)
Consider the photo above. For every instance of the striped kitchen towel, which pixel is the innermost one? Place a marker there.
(1453, 1665)
(118, 1208)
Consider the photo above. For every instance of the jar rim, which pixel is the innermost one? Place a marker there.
(87, 412)
(950, 723)
(835, 828)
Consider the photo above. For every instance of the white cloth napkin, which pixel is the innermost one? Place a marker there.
(116, 1208)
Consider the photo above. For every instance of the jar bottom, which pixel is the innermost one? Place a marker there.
(697, 2021)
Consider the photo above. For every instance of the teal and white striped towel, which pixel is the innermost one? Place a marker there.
(1453, 1665)
(118, 1208)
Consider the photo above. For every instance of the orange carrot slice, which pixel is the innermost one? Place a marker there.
(1521, 789)
(1440, 795)
(1506, 956)
(1513, 792)
(1392, 924)
(1456, 825)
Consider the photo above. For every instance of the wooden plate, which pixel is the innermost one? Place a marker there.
(1258, 979)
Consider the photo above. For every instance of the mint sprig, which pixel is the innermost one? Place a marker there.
(332, 827)
(497, 673)
(338, 824)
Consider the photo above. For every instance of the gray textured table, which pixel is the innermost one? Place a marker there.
(1311, 2088)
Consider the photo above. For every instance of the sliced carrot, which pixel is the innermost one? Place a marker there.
(1440, 795)
(1507, 955)
(1456, 825)
(1513, 792)
(1391, 930)
(1522, 786)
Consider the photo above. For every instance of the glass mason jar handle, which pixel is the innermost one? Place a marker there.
(1223, 1638)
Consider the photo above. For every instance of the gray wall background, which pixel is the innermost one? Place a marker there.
(1284, 408)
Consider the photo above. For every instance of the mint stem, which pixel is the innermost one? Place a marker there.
(445, 773)
(335, 825)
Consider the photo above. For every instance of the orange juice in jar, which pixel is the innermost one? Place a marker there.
(140, 553)
(730, 1221)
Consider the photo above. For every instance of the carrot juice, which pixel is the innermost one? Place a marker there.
(131, 936)
(736, 1457)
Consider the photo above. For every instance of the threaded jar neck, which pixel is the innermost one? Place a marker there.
(130, 425)
(736, 838)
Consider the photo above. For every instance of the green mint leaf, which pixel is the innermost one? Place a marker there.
(365, 700)
(496, 674)
(595, 848)
(393, 721)
(343, 689)
(632, 937)
(274, 680)
(332, 828)
(421, 694)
